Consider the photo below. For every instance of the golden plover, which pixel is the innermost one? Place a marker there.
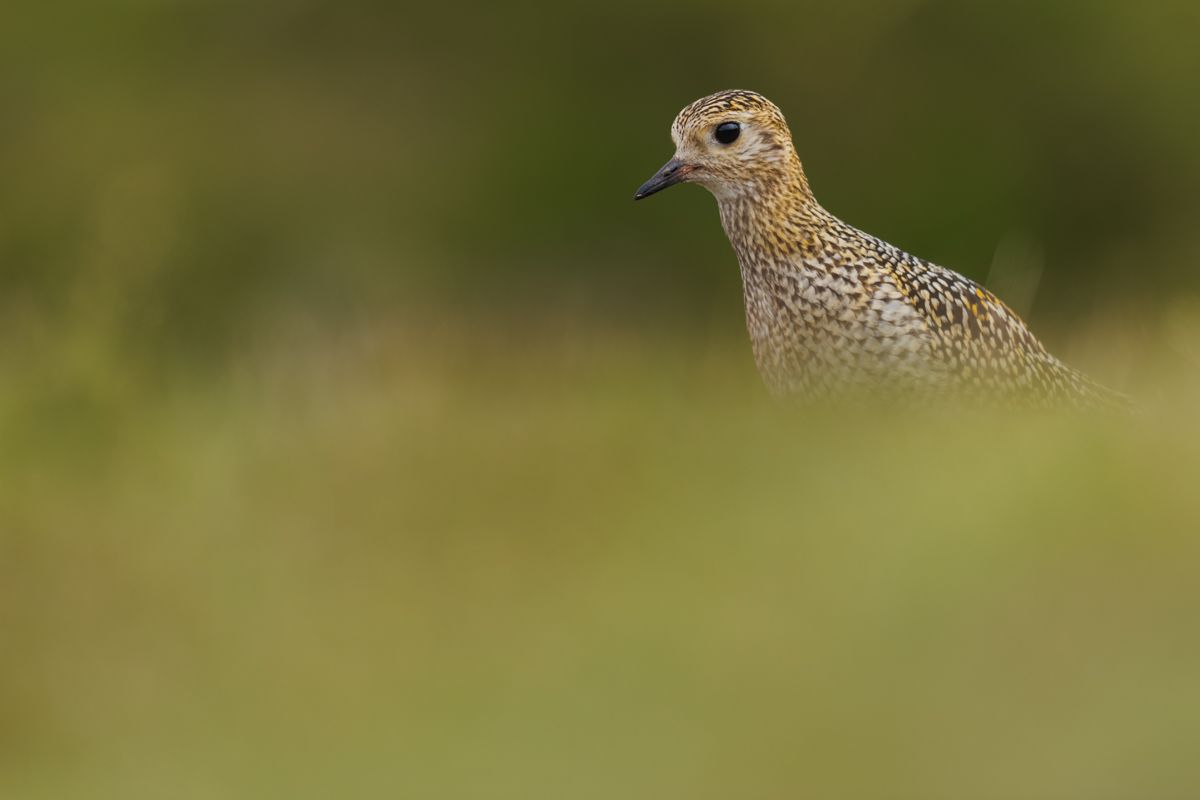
(830, 308)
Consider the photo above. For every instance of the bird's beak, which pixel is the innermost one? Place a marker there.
(672, 172)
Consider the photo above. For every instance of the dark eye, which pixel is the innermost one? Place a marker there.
(727, 132)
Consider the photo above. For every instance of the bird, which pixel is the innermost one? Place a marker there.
(832, 310)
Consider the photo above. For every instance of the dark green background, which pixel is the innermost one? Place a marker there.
(184, 172)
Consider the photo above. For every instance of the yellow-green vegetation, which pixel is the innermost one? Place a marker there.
(608, 566)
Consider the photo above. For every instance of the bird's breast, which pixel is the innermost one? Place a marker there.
(815, 325)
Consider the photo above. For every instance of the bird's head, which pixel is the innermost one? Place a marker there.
(733, 143)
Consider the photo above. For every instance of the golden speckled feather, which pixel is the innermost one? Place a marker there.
(831, 309)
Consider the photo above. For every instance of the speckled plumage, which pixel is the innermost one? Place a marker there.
(831, 309)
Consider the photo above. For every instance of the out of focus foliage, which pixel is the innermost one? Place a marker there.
(178, 173)
(565, 570)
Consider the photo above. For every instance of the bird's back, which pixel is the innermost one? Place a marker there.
(846, 310)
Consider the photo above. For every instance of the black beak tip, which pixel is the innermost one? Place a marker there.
(671, 173)
(655, 184)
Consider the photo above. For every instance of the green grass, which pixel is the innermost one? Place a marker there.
(584, 565)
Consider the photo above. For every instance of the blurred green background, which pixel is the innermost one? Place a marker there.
(359, 436)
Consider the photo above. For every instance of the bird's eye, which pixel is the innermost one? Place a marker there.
(727, 132)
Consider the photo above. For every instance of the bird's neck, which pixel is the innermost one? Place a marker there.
(794, 280)
(775, 220)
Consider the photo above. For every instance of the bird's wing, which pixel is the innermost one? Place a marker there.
(985, 342)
